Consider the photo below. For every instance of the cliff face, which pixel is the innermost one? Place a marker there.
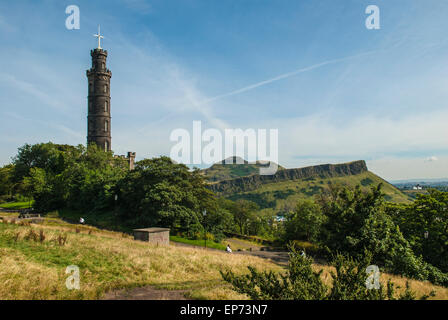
(248, 183)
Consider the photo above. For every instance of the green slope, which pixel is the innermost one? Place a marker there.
(281, 195)
(222, 171)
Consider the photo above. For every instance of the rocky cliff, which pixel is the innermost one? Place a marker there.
(252, 182)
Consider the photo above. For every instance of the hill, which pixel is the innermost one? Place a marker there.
(280, 192)
(231, 168)
(110, 261)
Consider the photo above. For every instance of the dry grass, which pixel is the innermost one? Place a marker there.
(35, 268)
(421, 288)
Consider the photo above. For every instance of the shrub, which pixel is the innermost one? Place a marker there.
(31, 235)
(62, 239)
(41, 236)
(300, 282)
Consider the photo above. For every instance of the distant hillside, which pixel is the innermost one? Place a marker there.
(235, 167)
(280, 192)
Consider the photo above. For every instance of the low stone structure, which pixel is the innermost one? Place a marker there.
(153, 235)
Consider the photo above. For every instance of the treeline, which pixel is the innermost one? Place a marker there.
(407, 239)
(157, 192)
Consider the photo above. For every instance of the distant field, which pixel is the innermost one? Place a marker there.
(17, 205)
(199, 243)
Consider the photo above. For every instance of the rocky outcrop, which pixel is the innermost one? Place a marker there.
(252, 182)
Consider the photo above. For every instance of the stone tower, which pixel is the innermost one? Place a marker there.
(98, 101)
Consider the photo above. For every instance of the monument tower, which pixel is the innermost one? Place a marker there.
(98, 101)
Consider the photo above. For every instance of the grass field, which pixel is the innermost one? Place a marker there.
(107, 261)
(34, 269)
(198, 243)
(17, 205)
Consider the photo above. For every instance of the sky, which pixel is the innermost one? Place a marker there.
(335, 90)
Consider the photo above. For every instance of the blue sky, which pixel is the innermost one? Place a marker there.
(379, 95)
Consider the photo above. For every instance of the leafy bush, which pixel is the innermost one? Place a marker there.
(357, 221)
(300, 282)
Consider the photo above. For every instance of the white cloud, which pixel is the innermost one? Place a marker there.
(318, 135)
(433, 158)
(393, 168)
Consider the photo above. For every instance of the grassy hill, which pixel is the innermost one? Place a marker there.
(234, 168)
(32, 268)
(35, 269)
(281, 191)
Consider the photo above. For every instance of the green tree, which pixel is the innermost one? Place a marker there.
(243, 212)
(161, 193)
(425, 224)
(357, 221)
(47, 156)
(305, 222)
(6, 181)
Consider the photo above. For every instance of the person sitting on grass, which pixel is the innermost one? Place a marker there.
(81, 220)
(228, 249)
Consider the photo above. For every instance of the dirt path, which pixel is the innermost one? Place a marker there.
(145, 293)
(278, 257)
(151, 293)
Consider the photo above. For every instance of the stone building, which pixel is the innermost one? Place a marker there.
(153, 235)
(98, 103)
(130, 159)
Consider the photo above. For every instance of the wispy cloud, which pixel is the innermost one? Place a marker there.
(286, 75)
(32, 90)
(59, 127)
(6, 26)
(142, 6)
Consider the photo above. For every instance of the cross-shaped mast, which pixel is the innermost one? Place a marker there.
(99, 36)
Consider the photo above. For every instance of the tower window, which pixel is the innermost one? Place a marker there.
(103, 65)
(105, 88)
(90, 86)
(90, 106)
(106, 126)
(106, 146)
(105, 106)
